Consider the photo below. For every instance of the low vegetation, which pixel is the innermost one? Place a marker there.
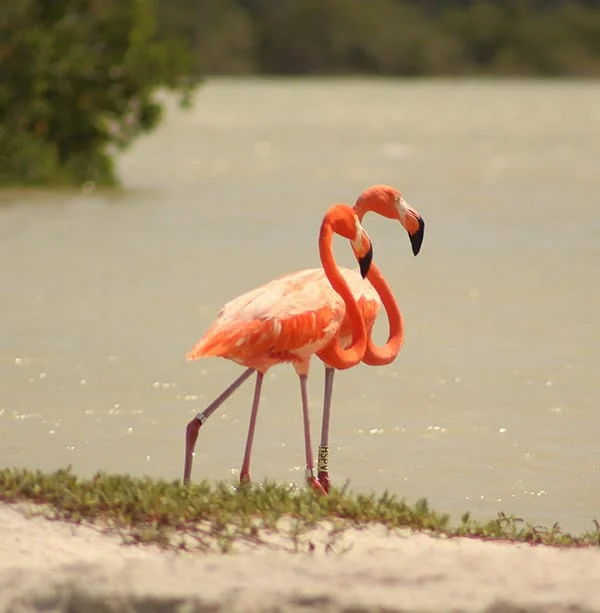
(218, 517)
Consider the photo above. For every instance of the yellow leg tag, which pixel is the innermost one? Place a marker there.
(323, 463)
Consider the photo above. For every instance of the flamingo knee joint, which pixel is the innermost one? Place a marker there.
(201, 417)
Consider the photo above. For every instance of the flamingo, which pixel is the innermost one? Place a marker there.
(388, 202)
(288, 320)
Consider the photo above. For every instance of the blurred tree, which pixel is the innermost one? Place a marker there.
(483, 28)
(220, 32)
(400, 39)
(78, 81)
(420, 37)
(301, 37)
(343, 36)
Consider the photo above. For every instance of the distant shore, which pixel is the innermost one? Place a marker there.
(58, 566)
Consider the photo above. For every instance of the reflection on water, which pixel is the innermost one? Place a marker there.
(492, 405)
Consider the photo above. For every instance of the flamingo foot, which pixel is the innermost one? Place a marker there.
(191, 436)
(315, 485)
(323, 478)
(244, 478)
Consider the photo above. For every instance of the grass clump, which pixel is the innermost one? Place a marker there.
(216, 517)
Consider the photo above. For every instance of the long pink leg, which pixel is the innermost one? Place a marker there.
(310, 468)
(191, 433)
(245, 472)
(323, 465)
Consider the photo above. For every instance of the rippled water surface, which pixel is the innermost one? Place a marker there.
(492, 404)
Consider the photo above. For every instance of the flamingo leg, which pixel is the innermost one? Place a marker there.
(191, 433)
(310, 468)
(323, 465)
(245, 472)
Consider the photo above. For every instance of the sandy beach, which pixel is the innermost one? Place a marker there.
(54, 566)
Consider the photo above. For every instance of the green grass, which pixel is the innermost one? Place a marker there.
(216, 517)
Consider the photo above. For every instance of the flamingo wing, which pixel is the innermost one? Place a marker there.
(287, 319)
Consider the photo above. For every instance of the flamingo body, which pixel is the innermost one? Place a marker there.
(286, 320)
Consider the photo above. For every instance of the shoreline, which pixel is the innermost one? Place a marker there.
(59, 566)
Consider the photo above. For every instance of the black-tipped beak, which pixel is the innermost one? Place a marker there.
(365, 262)
(416, 239)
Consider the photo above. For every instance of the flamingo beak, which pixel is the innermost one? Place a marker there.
(415, 227)
(364, 262)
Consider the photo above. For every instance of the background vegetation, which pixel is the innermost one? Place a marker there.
(79, 77)
(389, 37)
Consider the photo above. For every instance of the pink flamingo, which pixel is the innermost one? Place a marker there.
(388, 202)
(287, 320)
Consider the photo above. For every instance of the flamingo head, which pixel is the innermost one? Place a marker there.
(345, 222)
(388, 202)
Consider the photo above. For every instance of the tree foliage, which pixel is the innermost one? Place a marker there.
(220, 32)
(79, 79)
(391, 37)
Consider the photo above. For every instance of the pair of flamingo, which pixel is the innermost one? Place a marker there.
(328, 311)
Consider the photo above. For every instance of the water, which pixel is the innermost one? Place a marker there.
(492, 404)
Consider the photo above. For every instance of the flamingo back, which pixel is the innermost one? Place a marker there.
(285, 320)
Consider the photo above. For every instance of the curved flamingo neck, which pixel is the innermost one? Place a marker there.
(385, 354)
(333, 354)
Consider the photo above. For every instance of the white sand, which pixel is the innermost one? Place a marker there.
(51, 566)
